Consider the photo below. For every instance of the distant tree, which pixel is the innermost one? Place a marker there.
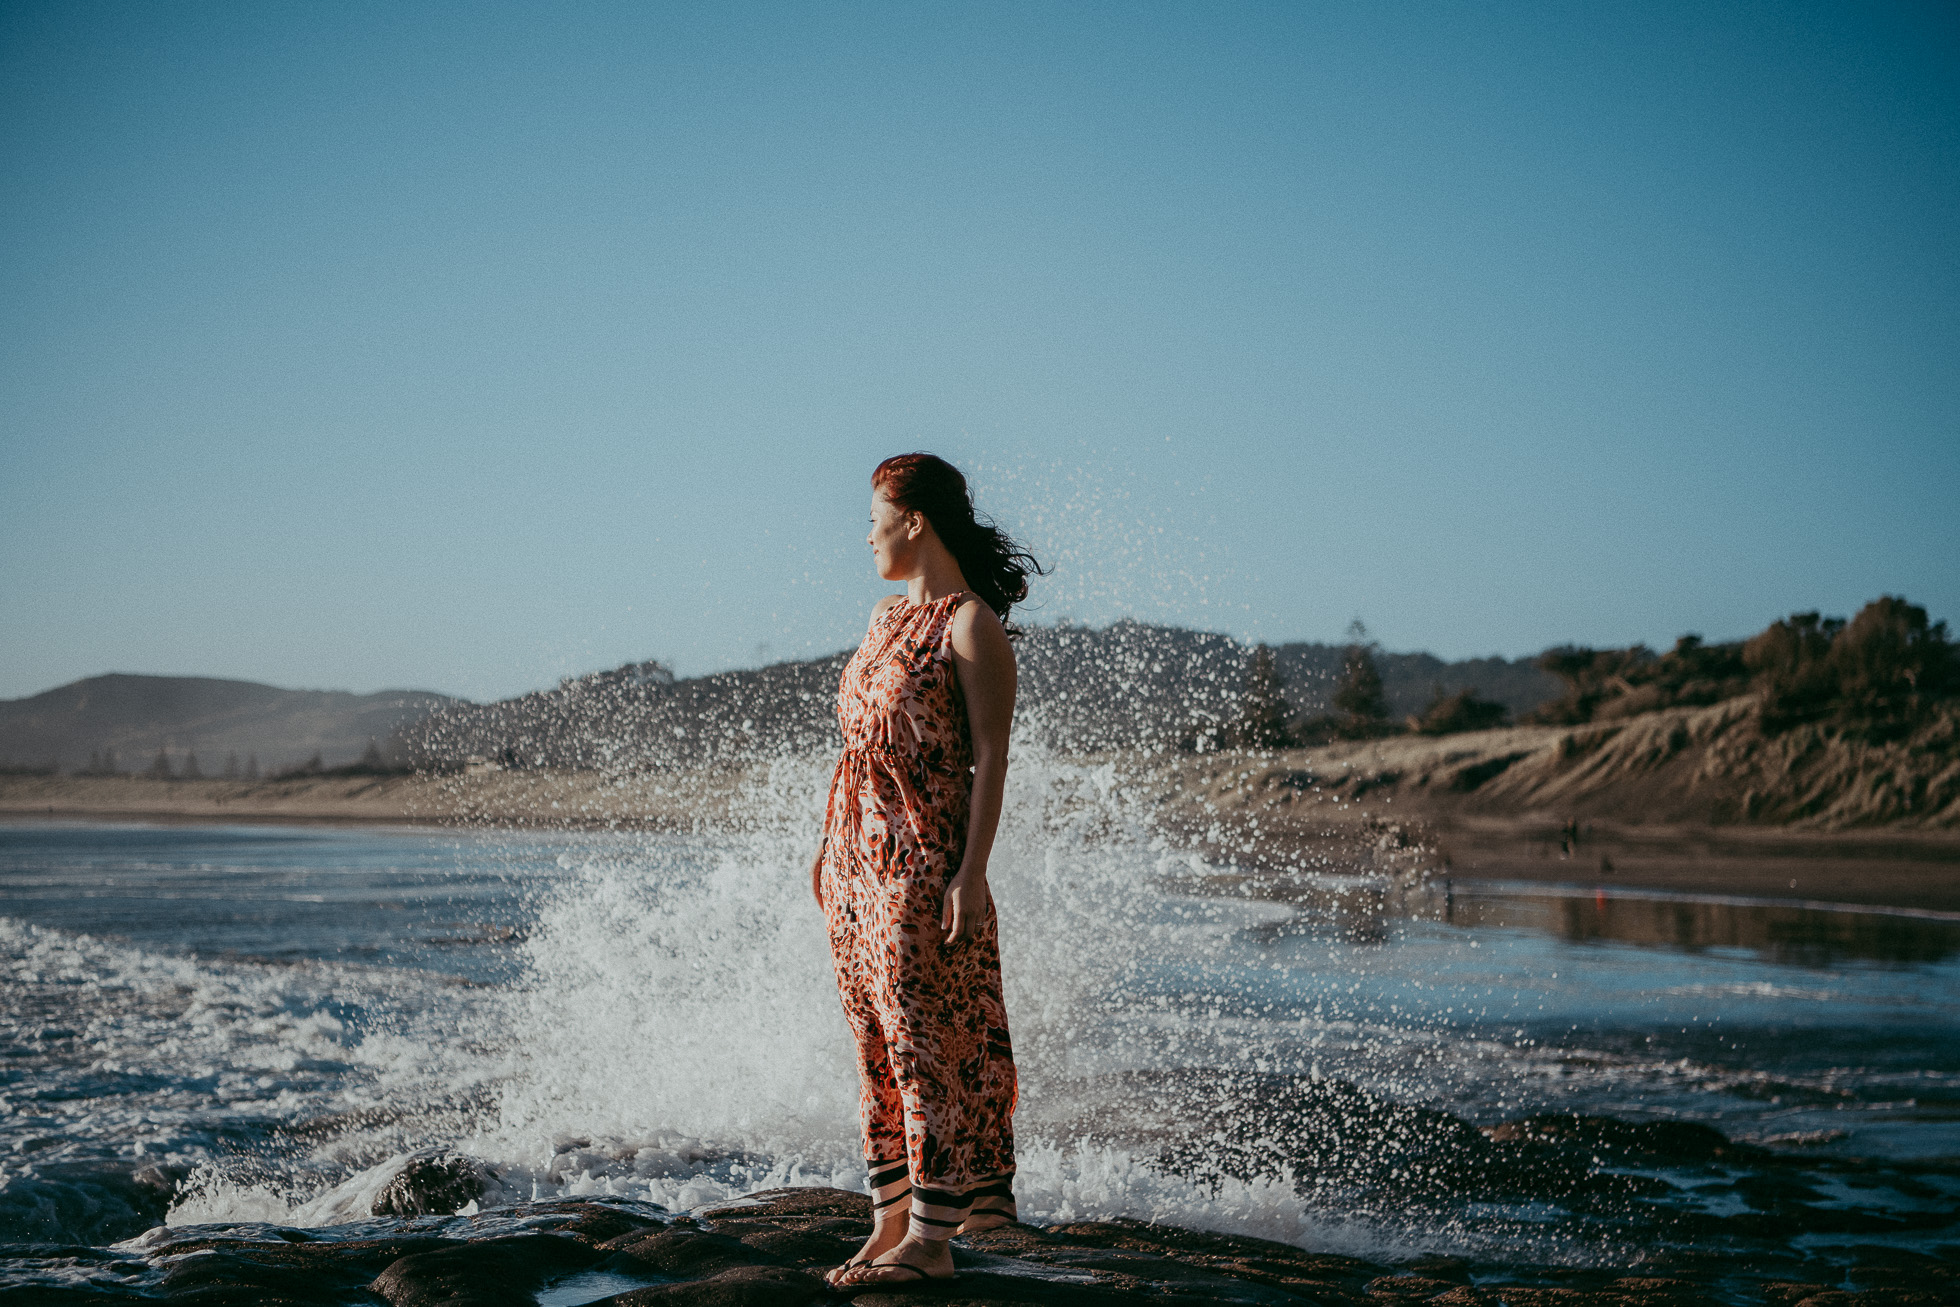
(111, 765)
(1363, 707)
(1874, 675)
(1790, 663)
(1448, 714)
(94, 767)
(311, 767)
(190, 770)
(371, 759)
(1591, 677)
(1890, 661)
(231, 766)
(1263, 708)
(251, 766)
(160, 767)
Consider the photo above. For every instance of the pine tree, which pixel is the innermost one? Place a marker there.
(231, 766)
(1364, 708)
(1263, 708)
(251, 766)
(371, 758)
(160, 766)
(191, 771)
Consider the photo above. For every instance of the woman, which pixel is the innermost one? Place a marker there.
(926, 703)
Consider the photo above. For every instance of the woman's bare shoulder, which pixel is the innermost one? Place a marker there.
(976, 627)
(885, 605)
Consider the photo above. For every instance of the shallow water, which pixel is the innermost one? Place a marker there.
(233, 1023)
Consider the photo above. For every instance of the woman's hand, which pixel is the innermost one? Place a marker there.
(966, 905)
(816, 877)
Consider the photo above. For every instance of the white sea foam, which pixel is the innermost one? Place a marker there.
(675, 1036)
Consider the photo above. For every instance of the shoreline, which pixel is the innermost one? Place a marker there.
(516, 800)
(1909, 868)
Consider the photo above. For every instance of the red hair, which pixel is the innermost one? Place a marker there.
(995, 567)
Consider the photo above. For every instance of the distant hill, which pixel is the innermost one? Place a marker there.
(135, 716)
(1409, 680)
(1082, 690)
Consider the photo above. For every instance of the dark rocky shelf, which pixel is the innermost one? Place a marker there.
(770, 1249)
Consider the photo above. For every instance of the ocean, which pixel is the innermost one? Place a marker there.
(221, 1024)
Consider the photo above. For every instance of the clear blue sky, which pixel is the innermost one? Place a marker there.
(466, 346)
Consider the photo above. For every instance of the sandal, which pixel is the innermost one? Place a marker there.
(845, 1284)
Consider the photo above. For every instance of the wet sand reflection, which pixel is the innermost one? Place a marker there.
(1366, 910)
(1797, 934)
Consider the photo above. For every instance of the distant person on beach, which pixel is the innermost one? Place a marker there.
(926, 703)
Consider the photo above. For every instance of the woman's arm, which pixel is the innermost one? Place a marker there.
(984, 662)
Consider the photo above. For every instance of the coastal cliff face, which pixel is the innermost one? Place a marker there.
(771, 1249)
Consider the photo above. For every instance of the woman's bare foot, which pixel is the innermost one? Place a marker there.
(913, 1259)
(885, 1236)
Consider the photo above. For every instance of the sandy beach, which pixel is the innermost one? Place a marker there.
(568, 800)
(1229, 806)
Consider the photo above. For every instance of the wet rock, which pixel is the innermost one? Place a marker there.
(161, 1180)
(1465, 1296)
(433, 1184)
(365, 1257)
(94, 1202)
(1407, 1288)
(686, 1253)
(801, 1227)
(1670, 1140)
(213, 1278)
(1452, 1270)
(742, 1286)
(596, 1223)
(483, 1273)
(1660, 1291)
(794, 1205)
(773, 1247)
(1785, 1293)
(1134, 1261)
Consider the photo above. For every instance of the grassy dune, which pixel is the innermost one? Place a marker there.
(1711, 766)
(1687, 799)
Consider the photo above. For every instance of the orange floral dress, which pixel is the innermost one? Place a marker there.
(935, 1068)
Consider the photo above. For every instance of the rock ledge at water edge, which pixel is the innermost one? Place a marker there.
(770, 1249)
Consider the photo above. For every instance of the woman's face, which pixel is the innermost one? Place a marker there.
(894, 539)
